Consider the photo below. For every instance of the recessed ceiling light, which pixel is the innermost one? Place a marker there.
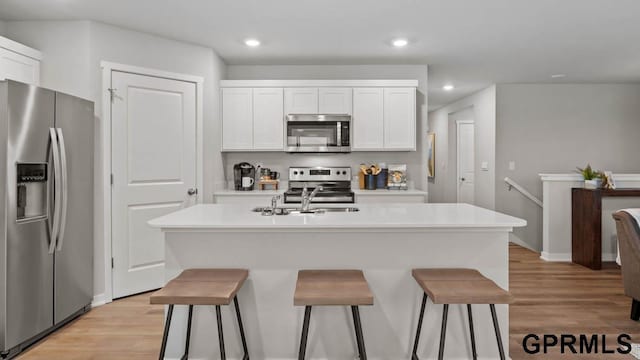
(400, 42)
(558, 76)
(448, 87)
(252, 42)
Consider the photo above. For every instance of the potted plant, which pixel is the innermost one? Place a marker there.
(592, 178)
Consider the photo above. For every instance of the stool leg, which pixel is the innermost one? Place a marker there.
(167, 325)
(635, 310)
(443, 331)
(186, 345)
(244, 340)
(305, 332)
(220, 334)
(472, 333)
(359, 337)
(497, 329)
(414, 354)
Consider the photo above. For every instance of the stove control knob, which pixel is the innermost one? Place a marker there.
(295, 173)
(301, 172)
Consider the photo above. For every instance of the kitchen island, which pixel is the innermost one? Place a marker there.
(385, 241)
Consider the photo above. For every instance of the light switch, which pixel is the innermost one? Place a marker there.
(484, 166)
(512, 165)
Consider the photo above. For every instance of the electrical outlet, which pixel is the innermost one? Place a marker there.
(484, 166)
(512, 165)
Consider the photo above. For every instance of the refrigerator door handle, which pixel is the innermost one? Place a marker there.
(55, 151)
(65, 194)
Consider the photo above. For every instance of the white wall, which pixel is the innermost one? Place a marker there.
(443, 187)
(3, 28)
(65, 50)
(416, 161)
(72, 52)
(552, 128)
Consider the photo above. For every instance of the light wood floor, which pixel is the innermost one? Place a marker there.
(550, 298)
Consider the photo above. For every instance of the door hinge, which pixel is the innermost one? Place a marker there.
(111, 179)
(112, 263)
(112, 93)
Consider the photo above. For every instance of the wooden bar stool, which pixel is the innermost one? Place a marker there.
(332, 287)
(211, 287)
(459, 286)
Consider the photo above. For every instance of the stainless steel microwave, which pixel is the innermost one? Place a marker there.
(313, 133)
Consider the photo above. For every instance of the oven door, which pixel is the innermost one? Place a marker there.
(318, 133)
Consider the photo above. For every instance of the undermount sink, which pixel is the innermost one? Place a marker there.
(297, 210)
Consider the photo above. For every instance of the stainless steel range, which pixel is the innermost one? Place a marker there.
(335, 184)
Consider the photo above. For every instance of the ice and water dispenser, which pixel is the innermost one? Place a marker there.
(32, 191)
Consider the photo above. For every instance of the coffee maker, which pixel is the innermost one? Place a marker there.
(244, 176)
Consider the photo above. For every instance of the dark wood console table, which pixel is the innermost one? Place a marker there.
(586, 224)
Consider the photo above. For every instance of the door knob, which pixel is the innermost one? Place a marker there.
(192, 191)
(462, 179)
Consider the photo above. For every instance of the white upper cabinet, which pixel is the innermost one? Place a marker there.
(300, 101)
(237, 119)
(19, 62)
(400, 119)
(335, 100)
(383, 111)
(268, 119)
(368, 119)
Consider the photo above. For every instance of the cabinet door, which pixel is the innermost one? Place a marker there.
(18, 67)
(368, 120)
(237, 119)
(268, 119)
(400, 118)
(335, 100)
(300, 101)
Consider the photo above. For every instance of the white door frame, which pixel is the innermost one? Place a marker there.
(105, 128)
(458, 122)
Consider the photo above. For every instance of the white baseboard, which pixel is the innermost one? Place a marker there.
(98, 300)
(516, 240)
(566, 257)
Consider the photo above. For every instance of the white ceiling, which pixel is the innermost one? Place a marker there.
(470, 43)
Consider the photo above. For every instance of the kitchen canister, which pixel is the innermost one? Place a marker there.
(382, 177)
(370, 182)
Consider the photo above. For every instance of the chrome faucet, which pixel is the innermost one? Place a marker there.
(274, 202)
(307, 197)
(266, 211)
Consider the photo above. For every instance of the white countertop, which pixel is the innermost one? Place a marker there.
(248, 193)
(370, 216)
(386, 192)
(382, 192)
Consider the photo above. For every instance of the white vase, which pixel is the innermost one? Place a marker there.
(592, 184)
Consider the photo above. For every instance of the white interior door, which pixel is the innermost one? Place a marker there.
(153, 163)
(466, 163)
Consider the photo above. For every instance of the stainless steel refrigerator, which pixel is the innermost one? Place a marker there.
(46, 212)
